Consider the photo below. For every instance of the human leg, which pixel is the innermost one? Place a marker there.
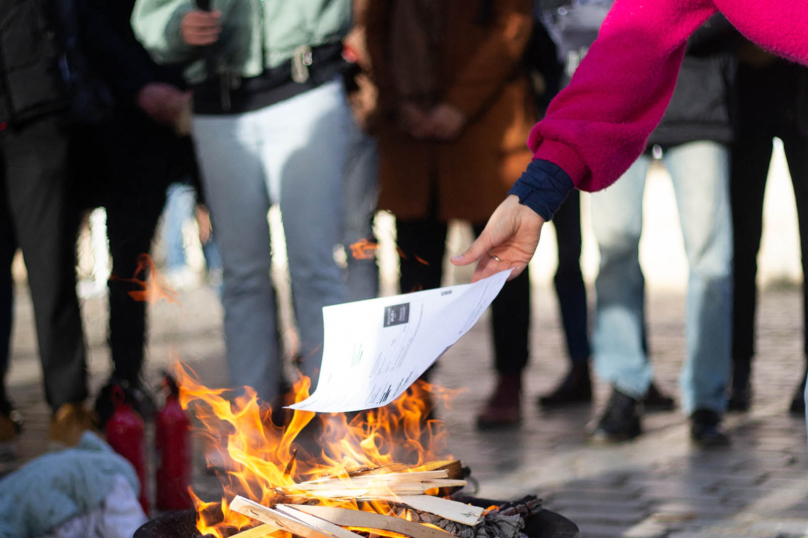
(230, 157)
(794, 145)
(700, 172)
(751, 155)
(44, 218)
(361, 195)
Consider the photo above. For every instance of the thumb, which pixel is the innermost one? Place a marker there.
(476, 250)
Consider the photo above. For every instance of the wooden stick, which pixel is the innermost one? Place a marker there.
(371, 520)
(275, 519)
(317, 522)
(380, 490)
(364, 479)
(453, 510)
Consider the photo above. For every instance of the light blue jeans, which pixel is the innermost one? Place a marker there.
(292, 153)
(700, 173)
(361, 197)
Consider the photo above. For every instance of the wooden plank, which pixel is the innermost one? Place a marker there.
(276, 519)
(371, 520)
(362, 480)
(261, 531)
(380, 490)
(452, 510)
(316, 522)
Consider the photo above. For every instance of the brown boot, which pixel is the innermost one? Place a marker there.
(504, 408)
(68, 424)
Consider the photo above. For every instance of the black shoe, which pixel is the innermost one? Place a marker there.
(740, 392)
(503, 409)
(136, 395)
(798, 401)
(706, 430)
(620, 420)
(576, 387)
(657, 401)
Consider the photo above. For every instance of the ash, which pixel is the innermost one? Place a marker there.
(506, 521)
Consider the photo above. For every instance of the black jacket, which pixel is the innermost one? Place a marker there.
(704, 101)
(31, 83)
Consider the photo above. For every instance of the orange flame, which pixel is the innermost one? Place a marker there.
(364, 249)
(154, 288)
(264, 456)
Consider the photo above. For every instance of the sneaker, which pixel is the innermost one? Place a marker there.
(503, 409)
(10, 429)
(798, 400)
(575, 388)
(68, 424)
(620, 420)
(657, 401)
(706, 430)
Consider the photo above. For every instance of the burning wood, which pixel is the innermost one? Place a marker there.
(357, 486)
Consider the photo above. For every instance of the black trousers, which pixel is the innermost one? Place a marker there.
(38, 214)
(422, 244)
(768, 105)
(133, 162)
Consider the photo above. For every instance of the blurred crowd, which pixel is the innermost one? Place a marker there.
(217, 110)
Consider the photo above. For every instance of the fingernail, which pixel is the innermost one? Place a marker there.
(457, 258)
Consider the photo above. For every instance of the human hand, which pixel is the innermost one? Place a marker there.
(414, 120)
(204, 224)
(508, 242)
(200, 28)
(446, 122)
(162, 102)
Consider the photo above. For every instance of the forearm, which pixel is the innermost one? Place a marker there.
(600, 123)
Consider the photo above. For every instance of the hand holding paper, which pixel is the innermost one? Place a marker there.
(374, 350)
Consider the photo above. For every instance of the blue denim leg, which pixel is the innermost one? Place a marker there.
(180, 202)
(235, 186)
(700, 173)
(304, 153)
(619, 337)
(361, 196)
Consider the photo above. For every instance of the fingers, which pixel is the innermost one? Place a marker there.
(489, 265)
(476, 251)
(200, 27)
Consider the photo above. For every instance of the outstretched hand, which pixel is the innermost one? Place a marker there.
(508, 242)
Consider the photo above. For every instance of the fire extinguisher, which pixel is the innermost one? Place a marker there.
(173, 449)
(126, 435)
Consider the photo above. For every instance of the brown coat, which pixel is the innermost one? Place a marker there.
(481, 75)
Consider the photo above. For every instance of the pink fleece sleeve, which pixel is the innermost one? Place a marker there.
(598, 126)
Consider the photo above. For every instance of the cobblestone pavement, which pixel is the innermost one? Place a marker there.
(655, 486)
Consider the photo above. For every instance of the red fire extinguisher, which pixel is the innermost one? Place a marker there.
(126, 435)
(173, 449)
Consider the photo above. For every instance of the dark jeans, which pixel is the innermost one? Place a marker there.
(38, 215)
(768, 101)
(422, 244)
(134, 162)
(569, 282)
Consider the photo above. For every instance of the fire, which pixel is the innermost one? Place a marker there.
(152, 289)
(265, 456)
(364, 249)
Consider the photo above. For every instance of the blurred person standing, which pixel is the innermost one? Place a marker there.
(37, 212)
(124, 161)
(362, 165)
(454, 111)
(271, 125)
(692, 143)
(772, 102)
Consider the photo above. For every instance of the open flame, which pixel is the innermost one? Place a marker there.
(153, 288)
(266, 456)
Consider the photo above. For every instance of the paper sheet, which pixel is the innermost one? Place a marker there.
(374, 350)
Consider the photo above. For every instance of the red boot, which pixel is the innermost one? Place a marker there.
(504, 408)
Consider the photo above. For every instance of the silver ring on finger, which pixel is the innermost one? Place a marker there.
(496, 258)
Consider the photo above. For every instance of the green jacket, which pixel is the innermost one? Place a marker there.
(256, 34)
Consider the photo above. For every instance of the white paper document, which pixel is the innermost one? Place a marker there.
(374, 350)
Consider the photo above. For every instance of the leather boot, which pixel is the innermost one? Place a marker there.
(620, 420)
(706, 430)
(798, 401)
(575, 388)
(504, 408)
(655, 400)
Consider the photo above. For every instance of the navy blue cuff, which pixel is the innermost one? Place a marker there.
(543, 187)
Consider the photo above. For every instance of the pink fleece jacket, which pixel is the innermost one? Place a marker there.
(598, 126)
